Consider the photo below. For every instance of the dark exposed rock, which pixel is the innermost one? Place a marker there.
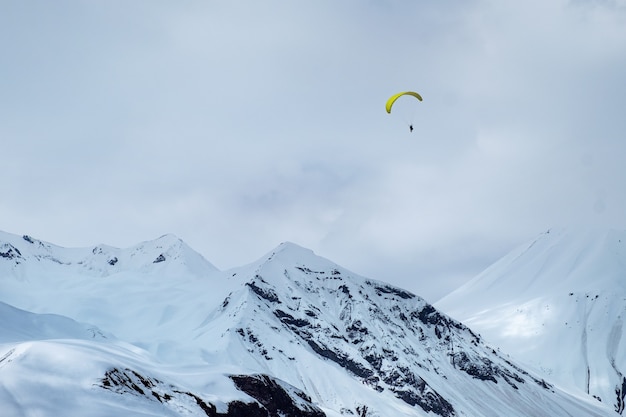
(341, 359)
(356, 329)
(9, 251)
(345, 290)
(255, 342)
(429, 315)
(388, 289)
(482, 369)
(122, 381)
(274, 398)
(208, 408)
(235, 408)
(375, 360)
(241, 409)
(620, 392)
(413, 390)
(430, 402)
(264, 293)
(160, 258)
(290, 320)
(402, 376)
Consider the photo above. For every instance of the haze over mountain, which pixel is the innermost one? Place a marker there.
(157, 330)
(557, 303)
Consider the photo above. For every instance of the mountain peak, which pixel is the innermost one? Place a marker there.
(169, 240)
(290, 251)
(289, 254)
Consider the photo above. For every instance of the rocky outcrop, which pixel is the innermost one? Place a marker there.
(276, 398)
(271, 397)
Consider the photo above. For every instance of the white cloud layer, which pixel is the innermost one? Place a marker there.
(238, 125)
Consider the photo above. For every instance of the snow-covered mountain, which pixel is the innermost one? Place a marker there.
(557, 304)
(29, 258)
(292, 334)
(82, 372)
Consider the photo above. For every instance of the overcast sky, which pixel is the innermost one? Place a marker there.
(240, 124)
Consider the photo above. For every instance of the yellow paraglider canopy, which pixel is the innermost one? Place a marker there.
(393, 98)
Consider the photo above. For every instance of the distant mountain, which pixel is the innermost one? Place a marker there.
(27, 257)
(292, 334)
(558, 304)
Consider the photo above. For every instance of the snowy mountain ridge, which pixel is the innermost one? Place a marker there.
(180, 338)
(101, 260)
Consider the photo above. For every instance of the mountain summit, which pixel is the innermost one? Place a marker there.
(292, 334)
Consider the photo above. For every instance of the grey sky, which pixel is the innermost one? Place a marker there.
(237, 125)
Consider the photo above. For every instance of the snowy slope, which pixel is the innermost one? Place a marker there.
(71, 377)
(557, 304)
(19, 325)
(51, 365)
(140, 293)
(180, 332)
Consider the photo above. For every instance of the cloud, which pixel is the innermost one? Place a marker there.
(238, 125)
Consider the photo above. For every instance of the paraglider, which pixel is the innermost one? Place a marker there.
(393, 99)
